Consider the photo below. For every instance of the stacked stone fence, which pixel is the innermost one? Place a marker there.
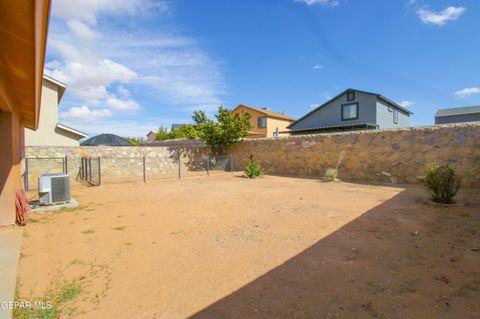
(396, 155)
(118, 161)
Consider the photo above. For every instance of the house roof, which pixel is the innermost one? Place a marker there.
(335, 127)
(71, 130)
(377, 95)
(267, 113)
(61, 86)
(106, 139)
(151, 133)
(458, 111)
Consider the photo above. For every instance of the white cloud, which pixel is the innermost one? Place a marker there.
(467, 92)
(81, 30)
(53, 64)
(83, 114)
(103, 65)
(330, 3)
(326, 95)
(318, 67)
(127, 127)
(123, 91)
(121, 127)
(86, 74)
(406, 103)
(442, 17)
(87, 10)
(122, 105)
(184, 76)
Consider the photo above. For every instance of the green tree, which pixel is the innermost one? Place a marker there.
(135, 141)
(163, 134)
(220, 134)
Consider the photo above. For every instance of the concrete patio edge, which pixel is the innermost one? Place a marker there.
(10, 245)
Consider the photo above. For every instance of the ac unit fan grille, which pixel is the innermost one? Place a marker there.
(60, 189)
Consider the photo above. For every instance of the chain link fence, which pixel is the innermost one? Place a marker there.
(152, 168)
(117, 169)
(220, 164)
(35, 167)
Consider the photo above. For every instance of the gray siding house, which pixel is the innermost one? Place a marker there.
(458, 115)
(352, 110)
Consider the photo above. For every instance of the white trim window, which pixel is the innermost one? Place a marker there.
(262, 122)
(349, 111)
(395, 116)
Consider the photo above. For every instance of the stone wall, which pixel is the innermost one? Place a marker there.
(396, 155)
(116, 161)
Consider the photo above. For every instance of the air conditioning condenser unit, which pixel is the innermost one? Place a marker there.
(53, 189)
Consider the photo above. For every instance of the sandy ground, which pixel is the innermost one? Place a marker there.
(275, 247)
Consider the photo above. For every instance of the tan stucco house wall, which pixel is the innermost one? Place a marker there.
(50, 132)
(274, 120)
(273, 123)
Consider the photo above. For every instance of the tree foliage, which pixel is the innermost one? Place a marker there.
(163, 134)
(220, 134)
(135, 141)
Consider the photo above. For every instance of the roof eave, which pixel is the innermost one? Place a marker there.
(394, 104)
(60, 85)
(456, 114)
(23, 29)
(71, 130)
(279, 117)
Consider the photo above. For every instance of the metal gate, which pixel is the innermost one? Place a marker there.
(36, 166)
(90, 170)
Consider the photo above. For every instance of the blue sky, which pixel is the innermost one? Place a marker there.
(131, 66)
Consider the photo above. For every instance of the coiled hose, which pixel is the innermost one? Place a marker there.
(23, 208)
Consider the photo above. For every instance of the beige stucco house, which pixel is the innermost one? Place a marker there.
(263, 122)
(50, 132)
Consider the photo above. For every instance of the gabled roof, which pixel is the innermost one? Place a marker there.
(458, 111)
(267, 113)
(378, 96)
(71, 130)
(61, 86)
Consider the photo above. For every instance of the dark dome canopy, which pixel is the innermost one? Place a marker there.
(106, 139)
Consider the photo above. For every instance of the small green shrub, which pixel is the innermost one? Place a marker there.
(441, 182)
(253, 170)
(331, 175)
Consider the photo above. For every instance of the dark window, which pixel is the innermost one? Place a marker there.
(350, 96)
(262, 122)
(349, 111)
(395, 116)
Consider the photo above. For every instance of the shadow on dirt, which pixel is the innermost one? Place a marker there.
(401, 259)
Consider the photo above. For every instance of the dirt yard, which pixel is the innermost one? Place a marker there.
(275, 247)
